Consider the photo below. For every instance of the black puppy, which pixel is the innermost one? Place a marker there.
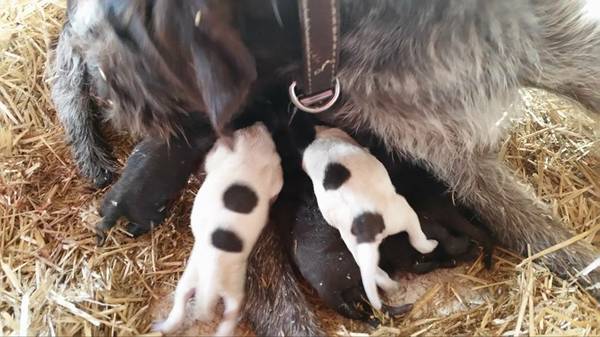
(153, 178)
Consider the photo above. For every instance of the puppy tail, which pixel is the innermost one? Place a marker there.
(367, 256)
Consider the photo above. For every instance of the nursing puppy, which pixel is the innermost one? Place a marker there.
(441, 217)
(323, 259)
(153, 177)
(356, 196)
(229, 213)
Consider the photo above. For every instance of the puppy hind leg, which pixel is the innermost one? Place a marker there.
(367, 257)
(206, 298)
(416, 237)
(385, 282)
(185, 289)
(405, 219)
(231, 315)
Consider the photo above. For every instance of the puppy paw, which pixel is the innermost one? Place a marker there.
(396, 310)
(386, 283)
(390, 287)
(136, 229)
(102, 177)
(101, 239)
(172, 323)
(426, 247)
(162, 327)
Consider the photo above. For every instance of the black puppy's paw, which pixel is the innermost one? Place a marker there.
(102, 178)
(424, 266)
(137, 230)
(100, 238)
(450, 263)
(396, 310)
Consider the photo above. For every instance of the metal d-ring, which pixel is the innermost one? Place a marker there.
(318, 109)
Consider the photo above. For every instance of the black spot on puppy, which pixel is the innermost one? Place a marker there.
(366, 226)
(240, 198)
(335, 175)
(227, 241)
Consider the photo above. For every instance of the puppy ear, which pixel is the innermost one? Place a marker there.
(225, 69)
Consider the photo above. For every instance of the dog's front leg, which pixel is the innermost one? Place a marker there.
(515, 215)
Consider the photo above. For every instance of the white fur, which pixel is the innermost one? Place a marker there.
(88, 14)
(369, 189)
(591, 10)
(212, 273)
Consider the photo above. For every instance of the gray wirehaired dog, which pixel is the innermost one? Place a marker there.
(433, 79)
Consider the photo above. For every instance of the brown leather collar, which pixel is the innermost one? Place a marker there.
(320, 89)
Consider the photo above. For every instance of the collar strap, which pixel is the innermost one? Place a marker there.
(319, 20)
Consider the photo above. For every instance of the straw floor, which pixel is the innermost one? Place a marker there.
(54, 281)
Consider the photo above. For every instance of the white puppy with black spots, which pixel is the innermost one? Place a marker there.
(229, 213)
(355, 194)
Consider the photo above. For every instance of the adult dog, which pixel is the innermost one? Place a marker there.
(433, 79)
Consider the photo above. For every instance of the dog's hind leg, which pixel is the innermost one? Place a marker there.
(515, 216)
(72, 100)
(569, 50)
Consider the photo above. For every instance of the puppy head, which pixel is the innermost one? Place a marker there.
(172, 58)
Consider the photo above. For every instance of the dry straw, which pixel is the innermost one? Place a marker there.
(54, 281)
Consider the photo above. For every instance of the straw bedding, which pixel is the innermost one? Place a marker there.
(54, 281)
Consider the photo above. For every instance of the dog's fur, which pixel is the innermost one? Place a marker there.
(433, 79)
(148, 71)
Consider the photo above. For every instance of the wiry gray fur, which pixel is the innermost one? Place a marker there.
(434, 79)
(71, 96)
(276, 305)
